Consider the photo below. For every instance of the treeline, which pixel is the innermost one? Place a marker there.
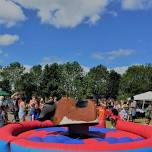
(70, 79)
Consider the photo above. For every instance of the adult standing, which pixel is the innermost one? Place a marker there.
(148, 111)
(48, 110)
(3, 113)
(15, 107)
(2, 117)
(33, 101)
(1, 100)
(133, 109)
(22, 107)
(41, 103)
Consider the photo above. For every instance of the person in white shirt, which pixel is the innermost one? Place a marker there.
(133, 109)
(123, 114)
(1, 100)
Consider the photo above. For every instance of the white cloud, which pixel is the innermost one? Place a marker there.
(112, 54)
(98, 55)
(85, 68)
(27, 67)
(7, 39)
(50, 60)
(121, 70)
(136, 4)
(119, 53)
(66, 13)
(10, 13)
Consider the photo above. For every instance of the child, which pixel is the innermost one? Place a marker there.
(123, 114)
(108, 113)
(35, 113)
(147, 120)
(101, 111)
(31, 111)
(114, 117)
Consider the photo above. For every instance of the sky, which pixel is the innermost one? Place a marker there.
(115, 33)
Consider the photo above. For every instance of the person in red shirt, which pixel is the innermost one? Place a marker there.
(114, 117)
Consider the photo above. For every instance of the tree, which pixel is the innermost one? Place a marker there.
(4, 85)
(137, 79)
(113, 84)
(51, 80)
(72, 76)
(13, 74)
(36, 74)
(97, 81)
(27, 84)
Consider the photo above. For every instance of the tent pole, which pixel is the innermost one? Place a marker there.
(143, 104)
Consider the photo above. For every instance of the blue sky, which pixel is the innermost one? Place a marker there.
(112, 33)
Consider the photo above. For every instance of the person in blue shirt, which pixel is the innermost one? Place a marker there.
(35, 112)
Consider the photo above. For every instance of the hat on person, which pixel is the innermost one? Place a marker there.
(15, 94)
(1, 97)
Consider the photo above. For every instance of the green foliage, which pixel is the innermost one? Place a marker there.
(69, 79)
(36, 76)
(72, 74)
(113, 84)
(123, 96)
(137, 79)
(51, 80)
(4, 85)
(12, 73)
(96, 81)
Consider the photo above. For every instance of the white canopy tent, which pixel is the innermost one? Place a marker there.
(147, 96)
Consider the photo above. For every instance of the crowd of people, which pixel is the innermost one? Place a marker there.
(124, 110)
(38, 109)
(20, 109)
